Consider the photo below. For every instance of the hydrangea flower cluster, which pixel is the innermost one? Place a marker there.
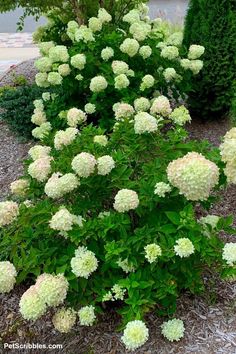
(228, 153)
(135, 334)
(161, 189)
(84, 263)
(87, 316)
(229, 253)
(184, 247)
(8, 212)
(40, 168)
(7, 277)
(173, 330)
(65, 137)
(63, 220)
(64, 319)
(49, 290)
(59, 185)
(152, 252)
(144, 123)
(180, 116)
(194, 175)
(126, 200)
(19, 187)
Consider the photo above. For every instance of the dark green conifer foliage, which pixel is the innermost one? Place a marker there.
(212, 23)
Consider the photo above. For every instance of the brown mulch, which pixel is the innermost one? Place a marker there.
(210, 321)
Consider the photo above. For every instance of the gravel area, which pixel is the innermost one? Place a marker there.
(210, 320)
(25, 68)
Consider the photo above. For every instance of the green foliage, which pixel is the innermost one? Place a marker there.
(213, 25)
(17, 108)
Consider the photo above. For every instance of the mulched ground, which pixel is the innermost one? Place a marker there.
(210, 320)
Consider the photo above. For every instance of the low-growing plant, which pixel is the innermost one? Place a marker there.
(17, 107)
(108, 217)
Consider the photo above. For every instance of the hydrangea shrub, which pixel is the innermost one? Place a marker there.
(103, 64)
(105, 218)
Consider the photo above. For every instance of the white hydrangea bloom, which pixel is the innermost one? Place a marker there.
(39, 151)
(194, 175)
(87, 315)
(46, 96)
(41, 80)
(144, 123)
(85, 34)
(125, 265)
(170, 52)
(42, 131)
(121, 82)
(175, 39)
(43, 64)
(123, 110)
(84, 263)
(31, 305)
(107, 53)
(78, 61)
(38, 104)
(161, 189)
(38, 117)
(184, 247)
(90, 108)
(64, 137)
(180, 116)
(140, 30)
(98, 84)
(19, 187)
(145, 51)
(8, 212)
(64, 320)
(84, 164)
(101, 140)
(210, 220)
(118, 291)
(7, 277)
(105, 165)
(59, 185)
(161, 105)
(64, 70)
(132, 16)
(59, 53)
(195, 51)
(95, 24)
(40, 168)
(52, 289)
(229, 253)
(142, 104)
(130, 47)
(228, 147)
(104, 16)
(196, 66)
(125, 200)
(135, 334)
(44, 47)
(173, 330)
(147, 82)
(108, 297)
(75, 116)
(152, 252)
(170, 74)
(72, 26)
(55, 78)
(63, 220)
(119, 67)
